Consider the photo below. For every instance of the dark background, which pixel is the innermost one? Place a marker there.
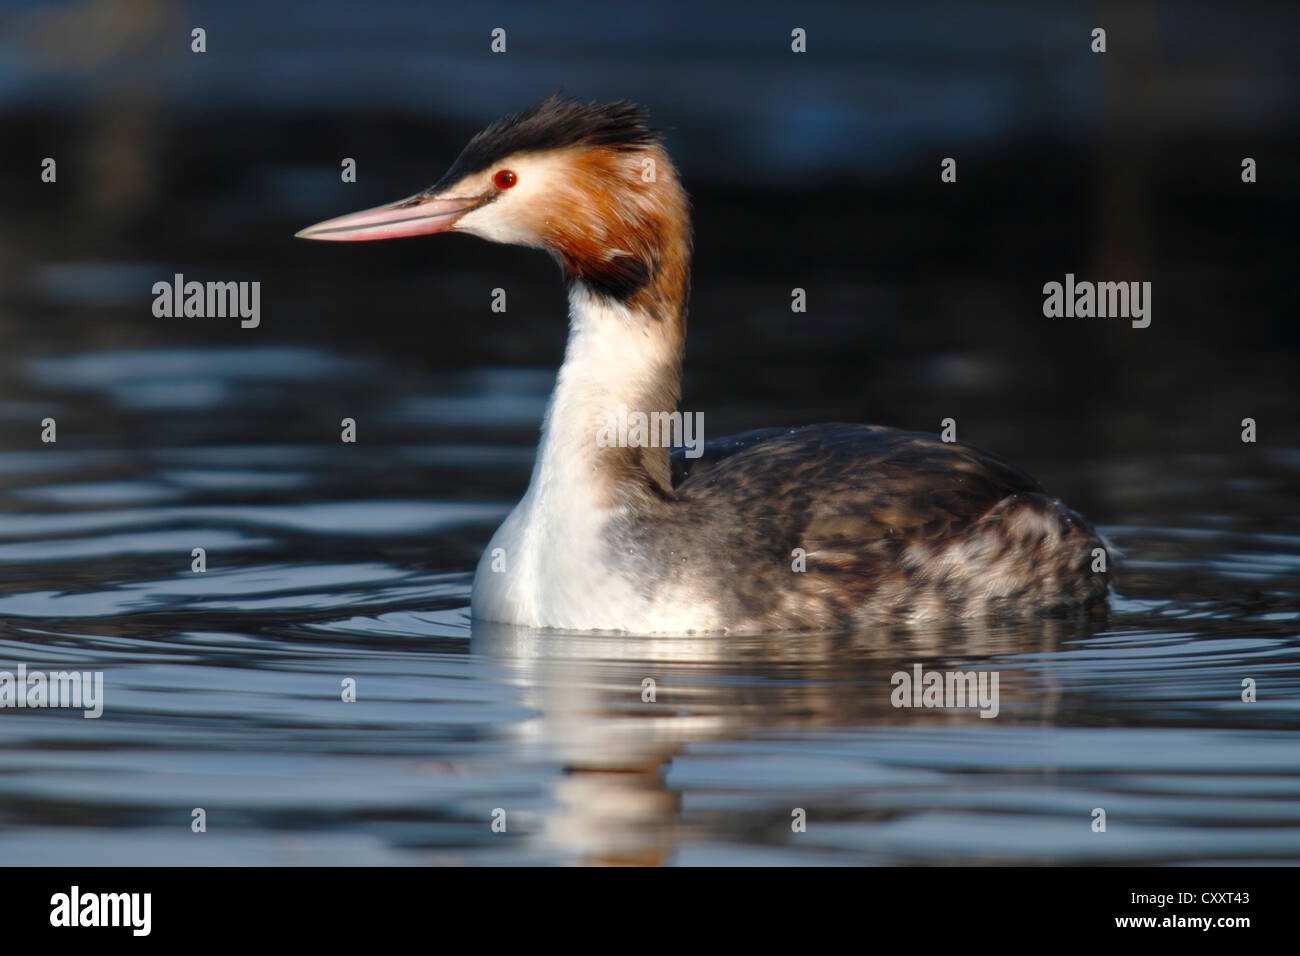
(818, 170)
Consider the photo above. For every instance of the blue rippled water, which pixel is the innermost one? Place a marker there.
(326, 561)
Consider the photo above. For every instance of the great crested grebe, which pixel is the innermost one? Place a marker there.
(820, 527)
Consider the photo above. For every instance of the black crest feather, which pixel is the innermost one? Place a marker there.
(558, 122)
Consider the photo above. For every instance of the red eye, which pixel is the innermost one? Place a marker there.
(504, 179)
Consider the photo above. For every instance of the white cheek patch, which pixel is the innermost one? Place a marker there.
(509, 218)
(498, 222)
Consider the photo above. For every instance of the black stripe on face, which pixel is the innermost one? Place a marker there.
(619, 279)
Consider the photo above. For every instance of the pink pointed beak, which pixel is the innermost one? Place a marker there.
(416, 216)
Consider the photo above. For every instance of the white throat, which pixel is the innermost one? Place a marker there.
(546, 566)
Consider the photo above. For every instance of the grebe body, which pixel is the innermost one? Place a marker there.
(821, 527)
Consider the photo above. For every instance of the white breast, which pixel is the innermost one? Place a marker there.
(548, 564)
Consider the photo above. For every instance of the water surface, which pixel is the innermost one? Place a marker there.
(328, 561)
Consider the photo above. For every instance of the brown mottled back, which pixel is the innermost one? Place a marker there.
(893, 526)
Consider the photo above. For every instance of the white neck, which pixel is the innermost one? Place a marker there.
(615, 356)
(550, 546)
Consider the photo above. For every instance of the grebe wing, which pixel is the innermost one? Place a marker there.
(891, 525)
(719, 449)
(844, 465)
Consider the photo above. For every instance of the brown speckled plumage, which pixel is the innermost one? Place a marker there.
(822, 527)
(895, 526)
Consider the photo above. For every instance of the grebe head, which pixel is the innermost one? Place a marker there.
(588, 182)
